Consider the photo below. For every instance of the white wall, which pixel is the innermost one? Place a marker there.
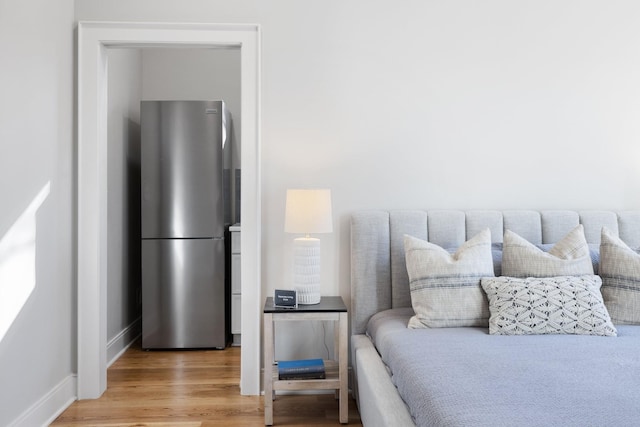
(37, 353)
(123, 216)
(432, 104)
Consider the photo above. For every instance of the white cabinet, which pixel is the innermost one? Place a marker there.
(236, 285)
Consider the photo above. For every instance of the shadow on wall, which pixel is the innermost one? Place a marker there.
(132, 230)
(18, 262)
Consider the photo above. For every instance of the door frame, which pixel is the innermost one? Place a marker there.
(94, 41)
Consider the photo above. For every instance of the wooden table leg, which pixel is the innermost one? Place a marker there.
(336, 349)
(342, 368)
(268, 369)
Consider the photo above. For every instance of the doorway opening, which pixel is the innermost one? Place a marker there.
(94, 41)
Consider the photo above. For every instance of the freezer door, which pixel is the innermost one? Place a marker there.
(183, 294)
(182, 169)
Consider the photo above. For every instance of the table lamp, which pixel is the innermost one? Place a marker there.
(307, 212)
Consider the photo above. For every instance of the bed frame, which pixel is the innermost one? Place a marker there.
(379, 278)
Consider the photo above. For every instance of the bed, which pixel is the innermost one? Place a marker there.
(460, 374)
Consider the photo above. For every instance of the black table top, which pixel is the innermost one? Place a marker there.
(326, 304)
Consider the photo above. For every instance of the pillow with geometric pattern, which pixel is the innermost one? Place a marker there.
(548, 305)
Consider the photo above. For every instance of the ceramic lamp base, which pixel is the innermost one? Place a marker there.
(306, 269)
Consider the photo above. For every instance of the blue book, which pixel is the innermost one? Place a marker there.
(306, 368)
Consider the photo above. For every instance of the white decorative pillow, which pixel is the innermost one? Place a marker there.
(620, 272)
(445, 288)
(569, 257)
(551, 305)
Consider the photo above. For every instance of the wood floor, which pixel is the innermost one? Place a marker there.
(192, 389)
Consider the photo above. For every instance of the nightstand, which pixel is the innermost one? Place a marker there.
(329, 308)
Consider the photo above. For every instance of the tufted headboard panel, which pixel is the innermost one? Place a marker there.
(379, 278)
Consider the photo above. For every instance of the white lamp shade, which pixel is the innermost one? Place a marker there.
(308, 211)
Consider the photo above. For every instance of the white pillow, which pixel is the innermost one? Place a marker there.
(445, 288)
(569, 257)
(551, 305)
(620, 272)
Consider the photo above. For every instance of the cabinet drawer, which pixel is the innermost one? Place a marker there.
(236, 284)
(235, 242)
(236, 317)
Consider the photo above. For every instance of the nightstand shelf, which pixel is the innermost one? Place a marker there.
(331, 382)
(329, 308)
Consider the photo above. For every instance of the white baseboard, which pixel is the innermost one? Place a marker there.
(66, 392)
(121, 342)
(54, 402)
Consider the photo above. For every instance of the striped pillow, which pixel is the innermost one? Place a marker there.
(445, 288)
(569, 257)
(620, 272)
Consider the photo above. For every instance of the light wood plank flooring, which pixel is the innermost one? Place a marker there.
(192, 389)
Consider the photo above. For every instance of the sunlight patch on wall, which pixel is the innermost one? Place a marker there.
(18, 262)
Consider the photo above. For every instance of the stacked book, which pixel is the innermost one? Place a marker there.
(307, 369)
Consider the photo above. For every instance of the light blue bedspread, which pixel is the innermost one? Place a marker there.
(461, 377)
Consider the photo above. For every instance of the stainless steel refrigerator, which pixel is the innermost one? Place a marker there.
(184, 298)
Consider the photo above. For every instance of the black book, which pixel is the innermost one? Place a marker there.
(307, 376)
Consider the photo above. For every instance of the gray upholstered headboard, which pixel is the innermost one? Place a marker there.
(379, 278)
